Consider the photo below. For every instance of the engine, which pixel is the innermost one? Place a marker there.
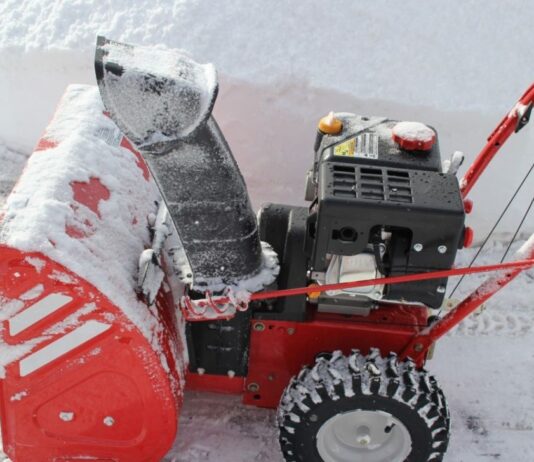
(380, 206)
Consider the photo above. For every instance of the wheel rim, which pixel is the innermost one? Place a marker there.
(364, 436)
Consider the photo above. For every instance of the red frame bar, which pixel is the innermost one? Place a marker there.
(419, 345)
(497, 138)
(197, 305)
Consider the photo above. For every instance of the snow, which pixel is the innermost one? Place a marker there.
(413, 131)
(149, 117)
(35, 219)
(99, 241)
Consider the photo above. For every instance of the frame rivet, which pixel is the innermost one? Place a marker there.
(259, 326)
(442, 249)
(290, 330)
(418, 247)
(253, 387)
(66, 416)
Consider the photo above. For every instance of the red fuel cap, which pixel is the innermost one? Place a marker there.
(414, 136)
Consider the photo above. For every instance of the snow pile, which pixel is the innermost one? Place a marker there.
(433, 60)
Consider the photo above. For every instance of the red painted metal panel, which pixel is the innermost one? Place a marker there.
(105, 396)
(215, 383)
(279, 349)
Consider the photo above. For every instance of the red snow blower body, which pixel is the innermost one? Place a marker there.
(132, 266)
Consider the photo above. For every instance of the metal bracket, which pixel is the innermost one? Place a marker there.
(523, 117)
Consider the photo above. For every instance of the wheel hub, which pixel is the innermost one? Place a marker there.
(364, 436)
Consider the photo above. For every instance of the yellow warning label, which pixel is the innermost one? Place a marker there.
(346, 148)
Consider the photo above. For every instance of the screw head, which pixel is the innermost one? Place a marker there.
(253, 387)
(259, 326)
(442, 249)
(364, 440)
(66, 416)
(109, 421)
(418, 247)
(290, 330)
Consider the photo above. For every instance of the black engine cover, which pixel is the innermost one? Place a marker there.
(376, 185)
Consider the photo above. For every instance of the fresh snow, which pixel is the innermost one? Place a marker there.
(37, 213)
(413, 131)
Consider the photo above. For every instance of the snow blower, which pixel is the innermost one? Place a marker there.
(132, 267)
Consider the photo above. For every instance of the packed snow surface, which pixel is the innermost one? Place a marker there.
(403, 51)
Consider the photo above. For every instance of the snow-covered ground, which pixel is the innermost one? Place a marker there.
(486, 368)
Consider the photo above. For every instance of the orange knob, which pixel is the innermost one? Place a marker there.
(330, 125)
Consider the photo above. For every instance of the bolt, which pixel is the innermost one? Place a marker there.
(66, 416)
(363, 436)
(253, 387)
(440, 289)
(418, 347)
(418, 247)
(259, 326)
(109, 421)
(442, 248)
(364, 441)
(290, 330)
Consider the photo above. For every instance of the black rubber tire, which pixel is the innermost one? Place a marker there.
(344, 383)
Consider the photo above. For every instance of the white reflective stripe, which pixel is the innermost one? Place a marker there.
(37, 312)
(61, 346)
